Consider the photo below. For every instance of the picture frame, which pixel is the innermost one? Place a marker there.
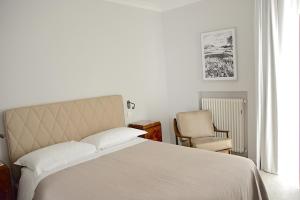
(218, 49)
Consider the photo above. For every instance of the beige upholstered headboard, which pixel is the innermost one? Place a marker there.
(34, 127)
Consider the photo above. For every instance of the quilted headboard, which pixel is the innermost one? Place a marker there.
(34, 127)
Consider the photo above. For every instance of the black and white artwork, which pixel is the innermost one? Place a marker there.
(218, 55)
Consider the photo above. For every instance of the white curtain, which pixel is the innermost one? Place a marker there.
(277, 50)
(288, 91)
(267, 51)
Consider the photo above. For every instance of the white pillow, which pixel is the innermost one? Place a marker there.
(48, 158)
(113, 137)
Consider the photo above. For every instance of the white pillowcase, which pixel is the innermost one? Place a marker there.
(48, 158)
(113, 137)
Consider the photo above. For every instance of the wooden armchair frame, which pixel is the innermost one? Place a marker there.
(189, 139)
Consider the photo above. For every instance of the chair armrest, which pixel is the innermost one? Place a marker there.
(187, 138)
(221, 131)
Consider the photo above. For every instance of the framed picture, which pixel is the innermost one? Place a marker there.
(218, 55)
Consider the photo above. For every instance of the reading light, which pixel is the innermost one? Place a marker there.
(130, 105)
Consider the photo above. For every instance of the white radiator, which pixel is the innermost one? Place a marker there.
(228, 114)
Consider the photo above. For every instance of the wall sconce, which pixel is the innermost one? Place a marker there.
(130, 105)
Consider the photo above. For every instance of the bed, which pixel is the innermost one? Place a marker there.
(134, 170)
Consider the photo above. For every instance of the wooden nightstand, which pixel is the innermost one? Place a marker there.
(5, 183)
(152, 127)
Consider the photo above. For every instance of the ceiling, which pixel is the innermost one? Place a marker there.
(156, 5)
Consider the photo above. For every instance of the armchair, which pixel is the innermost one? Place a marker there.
(196, 129)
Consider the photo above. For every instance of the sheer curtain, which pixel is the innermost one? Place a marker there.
(267, 51)
(277, 64)
(288, 91)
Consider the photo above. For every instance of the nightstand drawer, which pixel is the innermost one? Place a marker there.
(154, 133)
(153, 129)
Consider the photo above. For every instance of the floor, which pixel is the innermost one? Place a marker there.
(279, 189)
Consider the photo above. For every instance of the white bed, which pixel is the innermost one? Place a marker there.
(147, 169)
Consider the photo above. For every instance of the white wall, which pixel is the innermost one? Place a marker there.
(61, 50)
(182, 29)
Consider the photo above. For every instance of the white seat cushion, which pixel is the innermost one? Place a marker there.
(195, 124)
(212, 143)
